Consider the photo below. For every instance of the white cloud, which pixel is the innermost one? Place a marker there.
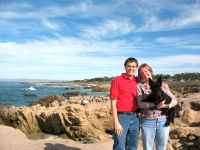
(61, 59)
(109, 28)
(186, 42)
(101, 37)
(179, 60)
(191, 17)
(49, 24)
(111, 24)
(184, 16)
(173, 61)
(173, 64)
(44, 59)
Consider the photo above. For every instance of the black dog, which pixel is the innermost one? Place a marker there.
(157, 95)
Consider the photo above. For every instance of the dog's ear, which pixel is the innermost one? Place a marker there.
(160, 80)
(150, 82)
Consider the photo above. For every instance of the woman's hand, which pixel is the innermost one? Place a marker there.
(162, 105)
(165, 86)
(118, 129)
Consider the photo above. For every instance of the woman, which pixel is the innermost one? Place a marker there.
(153, 126)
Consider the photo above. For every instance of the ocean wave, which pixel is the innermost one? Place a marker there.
(31, 88)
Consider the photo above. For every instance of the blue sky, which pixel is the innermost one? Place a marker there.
(72, 39)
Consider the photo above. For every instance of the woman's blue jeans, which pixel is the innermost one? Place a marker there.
(129, 138)
(154, 130)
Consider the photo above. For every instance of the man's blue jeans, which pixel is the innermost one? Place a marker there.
(129, 138)
(153, 130)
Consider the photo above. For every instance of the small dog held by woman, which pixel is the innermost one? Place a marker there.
(157, 95)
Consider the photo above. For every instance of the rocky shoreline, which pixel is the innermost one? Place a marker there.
(81, 118)
(88, 119)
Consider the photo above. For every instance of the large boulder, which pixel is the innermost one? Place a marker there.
(185, 132)
(22, 118)
(86, 122)
(185, 138)
(89, 123)
(46, 101)
(191, 117)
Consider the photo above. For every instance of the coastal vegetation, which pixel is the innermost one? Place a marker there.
(180, 77)
(175, 77)
(183, 82)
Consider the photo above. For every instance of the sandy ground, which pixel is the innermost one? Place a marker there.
(13, 139)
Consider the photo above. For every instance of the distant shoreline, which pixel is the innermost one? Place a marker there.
(100, 85)
(50, 83)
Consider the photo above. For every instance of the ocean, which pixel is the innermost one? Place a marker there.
(14, 94)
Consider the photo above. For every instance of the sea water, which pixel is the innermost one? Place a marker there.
(13, 94)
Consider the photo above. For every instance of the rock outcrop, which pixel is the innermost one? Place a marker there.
(46, 101)
(185, 133)
(79, 120)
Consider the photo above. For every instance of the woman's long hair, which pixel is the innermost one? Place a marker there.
(144, 66)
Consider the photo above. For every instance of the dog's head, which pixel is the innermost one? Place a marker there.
(156, 90)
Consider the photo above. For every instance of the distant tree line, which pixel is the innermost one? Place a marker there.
(99, 79)
(179, 77)
(175, 77)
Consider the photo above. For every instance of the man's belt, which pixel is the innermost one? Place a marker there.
(126, 113)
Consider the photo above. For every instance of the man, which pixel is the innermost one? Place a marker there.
(123, 96)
